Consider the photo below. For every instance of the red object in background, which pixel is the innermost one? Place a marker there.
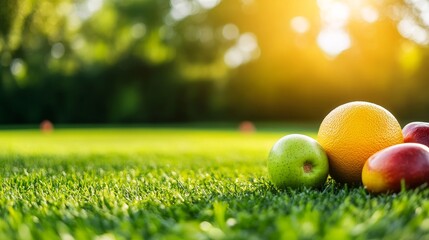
(247, 127)
(46, 126)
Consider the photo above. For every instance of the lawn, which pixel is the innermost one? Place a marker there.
(176, 183)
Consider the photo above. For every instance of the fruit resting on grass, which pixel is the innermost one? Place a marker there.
(246, 127)
(46, 126)
(297, 160)
(351, 133)
(385, 170)
(417, 132)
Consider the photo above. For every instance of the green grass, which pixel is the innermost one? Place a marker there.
(180, 184)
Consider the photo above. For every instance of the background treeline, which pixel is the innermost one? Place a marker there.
(118, 61)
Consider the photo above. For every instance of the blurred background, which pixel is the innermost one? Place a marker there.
(153, 61)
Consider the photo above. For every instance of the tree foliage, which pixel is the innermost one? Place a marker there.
(187, 60)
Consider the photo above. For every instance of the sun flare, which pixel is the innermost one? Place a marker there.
(334, 37)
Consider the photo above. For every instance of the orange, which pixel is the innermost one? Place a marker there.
(351, 133)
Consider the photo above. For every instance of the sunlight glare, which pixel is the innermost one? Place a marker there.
(408, 28)
(423, 8)
(421, 5)
(57, 50)
(94, 5)
(180, 9)
(208, 4)
(138, 30)
(233, 57)
(245, 49)
(19, 70)
(335, 13)
(333, 38)
(369, 14)
(247, 42)
(230, 31)
(300, 24)
(333, 41)
(17, 66)
(323, 4)
(86, 9)
(425, 18)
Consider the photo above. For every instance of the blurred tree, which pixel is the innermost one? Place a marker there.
(187, 60)
(7, 13)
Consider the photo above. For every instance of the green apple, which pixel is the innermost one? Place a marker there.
(297, 161)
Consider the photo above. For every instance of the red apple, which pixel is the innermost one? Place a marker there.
(246, 127)
(46, 126)
(385, 170)
(417, 132)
